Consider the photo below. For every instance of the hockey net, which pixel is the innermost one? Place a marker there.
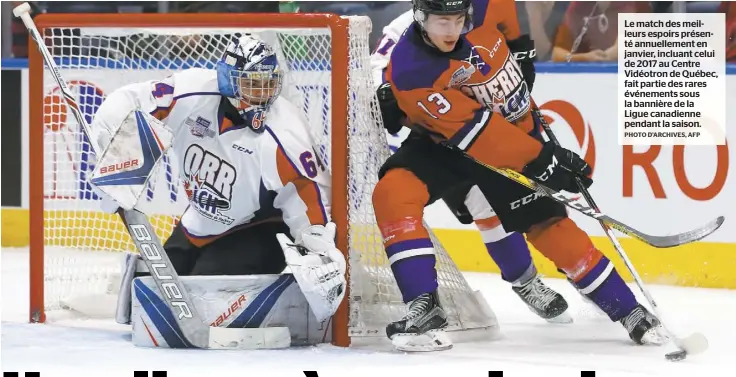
(77, 253)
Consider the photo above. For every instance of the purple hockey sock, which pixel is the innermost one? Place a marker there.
(412, 262)
(513, 258)
(605, 287)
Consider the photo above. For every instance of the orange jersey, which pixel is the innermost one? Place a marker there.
(501, 13)
(470, 97)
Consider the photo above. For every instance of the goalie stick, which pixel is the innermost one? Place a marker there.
(197, 333)
(694, 343)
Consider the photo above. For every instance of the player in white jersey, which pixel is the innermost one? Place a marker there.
(249, 170)
(509, 250)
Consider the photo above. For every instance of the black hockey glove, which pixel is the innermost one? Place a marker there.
(557, 167)
(390, 111)
(525, 54)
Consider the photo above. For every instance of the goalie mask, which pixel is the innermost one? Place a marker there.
(250, 76)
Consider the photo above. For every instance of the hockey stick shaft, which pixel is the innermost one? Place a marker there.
(589, 199)
(584, 191)
(695, 343)
(138, 226)
(656, 241)
(690, 344)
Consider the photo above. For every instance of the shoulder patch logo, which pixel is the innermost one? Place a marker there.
(461, 75)
(200, 127)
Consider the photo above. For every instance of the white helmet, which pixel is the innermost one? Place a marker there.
(249, 71)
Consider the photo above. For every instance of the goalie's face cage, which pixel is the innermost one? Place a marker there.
(257, 88)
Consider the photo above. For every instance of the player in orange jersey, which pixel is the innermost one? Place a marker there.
(509, 250)
(454, 76)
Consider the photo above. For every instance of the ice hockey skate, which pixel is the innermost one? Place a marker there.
(421, 329)
(543, 301)
(644, 327)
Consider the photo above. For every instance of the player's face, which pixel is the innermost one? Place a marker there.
(258, 91)
(444, 30)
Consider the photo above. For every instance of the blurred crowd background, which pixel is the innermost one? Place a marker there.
(554, 25)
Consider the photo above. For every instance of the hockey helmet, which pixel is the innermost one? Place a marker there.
(423, 8)
(249, 71)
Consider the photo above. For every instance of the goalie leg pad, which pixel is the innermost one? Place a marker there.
(259, 304)
(132, 264)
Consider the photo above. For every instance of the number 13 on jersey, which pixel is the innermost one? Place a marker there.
(440, 102)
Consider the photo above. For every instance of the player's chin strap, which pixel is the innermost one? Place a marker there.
(318, 267)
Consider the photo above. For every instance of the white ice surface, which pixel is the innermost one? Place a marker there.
(529, 347)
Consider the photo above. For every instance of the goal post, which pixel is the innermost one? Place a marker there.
(75, 249)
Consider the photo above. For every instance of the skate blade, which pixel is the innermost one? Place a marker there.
(565, 318)
(428, 342)
(694, 344)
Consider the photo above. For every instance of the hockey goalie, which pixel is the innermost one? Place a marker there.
(258, 198)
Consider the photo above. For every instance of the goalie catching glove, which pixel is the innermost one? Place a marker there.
(318, 266)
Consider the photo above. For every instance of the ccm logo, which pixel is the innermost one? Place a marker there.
(119, 166)
(525, 55)
(158, 266)
(525, 200)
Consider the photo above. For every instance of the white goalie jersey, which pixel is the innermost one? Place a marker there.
(233, 176)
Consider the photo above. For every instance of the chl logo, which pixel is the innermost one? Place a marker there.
(209, 183)
(200, 127)
(505, 92)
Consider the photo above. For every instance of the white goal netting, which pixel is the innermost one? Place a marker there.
(83, 245)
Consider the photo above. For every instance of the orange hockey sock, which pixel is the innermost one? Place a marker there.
(591, 272)
(398, 200)
(568, 246)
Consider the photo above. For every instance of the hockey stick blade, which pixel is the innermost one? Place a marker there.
(694, 344)
(671, 240)
(198, 333)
